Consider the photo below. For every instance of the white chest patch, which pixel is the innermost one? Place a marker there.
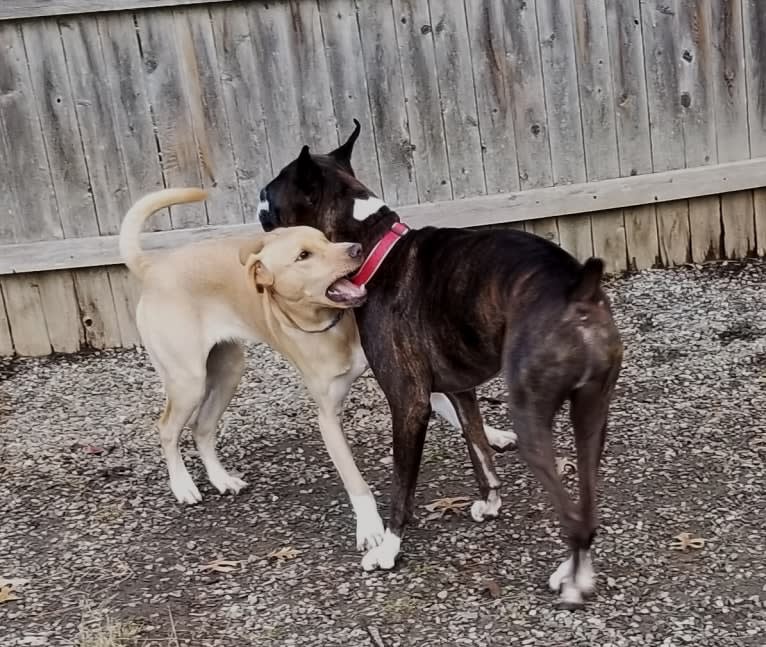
(363, 209)
(263, 205)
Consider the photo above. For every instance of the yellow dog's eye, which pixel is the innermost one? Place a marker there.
(303, 255)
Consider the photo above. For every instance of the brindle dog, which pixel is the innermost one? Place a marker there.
(450, 309)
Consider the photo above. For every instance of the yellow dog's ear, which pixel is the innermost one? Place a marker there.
(254, 246)
(249, 256)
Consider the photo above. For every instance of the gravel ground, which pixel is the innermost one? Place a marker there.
(88, 518)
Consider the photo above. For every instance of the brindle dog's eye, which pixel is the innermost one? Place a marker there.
(303, 255)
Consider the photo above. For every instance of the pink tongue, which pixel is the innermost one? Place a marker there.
(345, 289)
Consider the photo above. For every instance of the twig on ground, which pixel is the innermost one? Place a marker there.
(375, 635)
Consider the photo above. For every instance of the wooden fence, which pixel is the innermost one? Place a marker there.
(633, 129)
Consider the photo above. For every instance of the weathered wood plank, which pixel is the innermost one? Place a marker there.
(675, 237)
(547, 228)
(60, 128)
(755, 67)
(288, 53)
(642, 237)
(136, 141)
(486, 33)
(705, 227)
(591, 197)
(699, 118)
(270, 26)
(15, 9)
(126, 291)
(134, 132)
(759, 209)
(163, 74)
(457, 96)
(95, 111)
(555, 23)
(28, 200)
(59, 304)
(28, 197)
(6, 341)
(559, 70)
(96, 306)
(533, 146)
(525, 72)
(739, 224)
(387, 103)
(315, 104)
(626, 54)
(98, 134)
(348, 84)
(661, 51)
(69, 142)
(599, 127)
(414, 38)
(742, 104)
(755, 82)
(201, 79)
(243, 99)
(26, 316)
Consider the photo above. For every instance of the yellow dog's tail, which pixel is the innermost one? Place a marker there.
(130, 232)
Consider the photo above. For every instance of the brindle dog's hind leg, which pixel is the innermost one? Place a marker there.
(481, 453)
(533, 420)
(589, 406)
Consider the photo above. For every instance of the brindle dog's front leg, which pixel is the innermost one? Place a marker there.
(482, 456)
(410, 411)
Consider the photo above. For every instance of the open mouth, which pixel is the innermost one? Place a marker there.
(343, 292)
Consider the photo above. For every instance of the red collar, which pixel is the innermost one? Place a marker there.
(378, 254)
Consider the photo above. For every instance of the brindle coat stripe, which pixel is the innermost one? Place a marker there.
(450, 309)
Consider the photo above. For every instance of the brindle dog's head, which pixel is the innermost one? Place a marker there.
(321, 191)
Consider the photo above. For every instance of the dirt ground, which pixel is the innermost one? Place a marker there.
(110, 559)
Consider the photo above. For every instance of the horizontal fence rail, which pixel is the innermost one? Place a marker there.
(523, 206)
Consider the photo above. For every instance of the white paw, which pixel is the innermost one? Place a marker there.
(563, 572)
(570, 597)
(586, 578)
(383, 556)
(499, 439)
(184, 489)
(489, 509)
(369, 525)
(225, 482)
(562, 577)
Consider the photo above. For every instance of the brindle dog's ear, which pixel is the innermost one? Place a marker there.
(308, 173)
(342, 154)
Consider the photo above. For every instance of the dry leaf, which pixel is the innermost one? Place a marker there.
(440, 507)
(565, 465)
(285, 553)
(685, 541)
(490, 588)
(7, 594)
(222, 566)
